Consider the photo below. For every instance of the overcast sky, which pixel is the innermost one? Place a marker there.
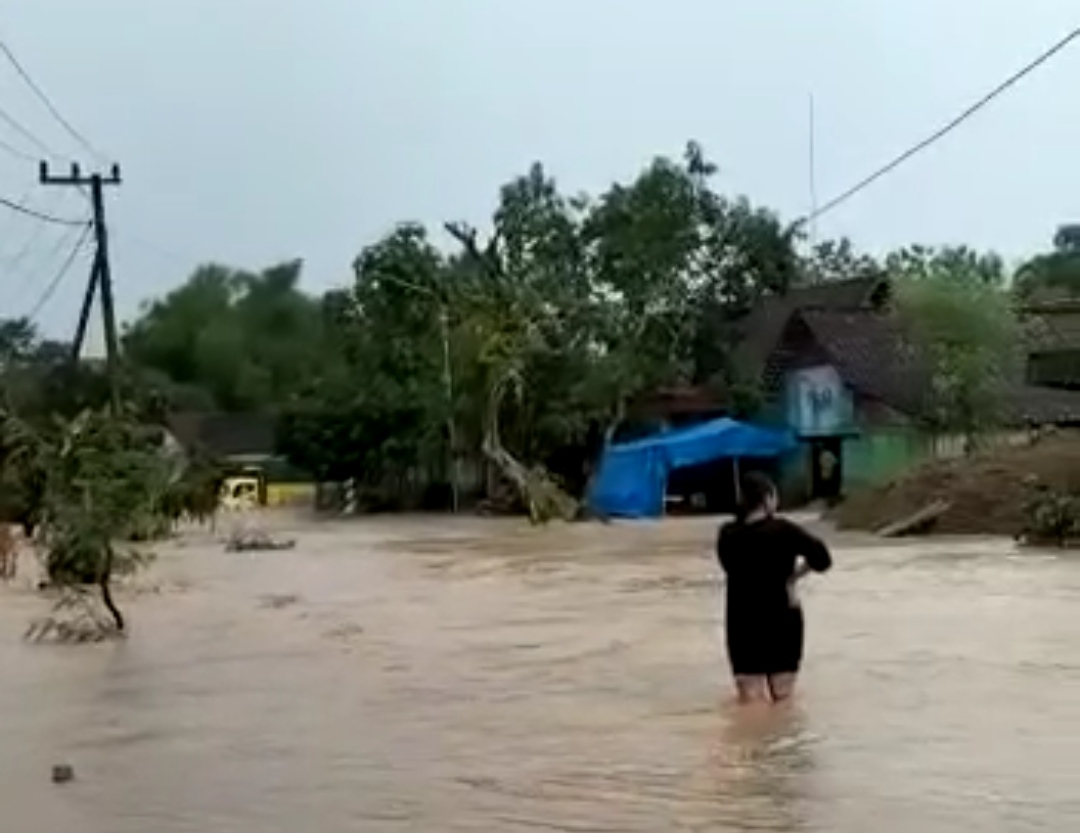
(257, 130)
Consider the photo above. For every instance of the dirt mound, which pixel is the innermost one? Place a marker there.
(986, 492)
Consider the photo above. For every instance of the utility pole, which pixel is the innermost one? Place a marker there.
(448, 384)
(813, 177)
(101, 270)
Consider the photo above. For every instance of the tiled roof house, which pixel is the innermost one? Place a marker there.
(842, 343)
(1054, 332)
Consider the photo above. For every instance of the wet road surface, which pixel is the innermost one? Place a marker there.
(414, 674)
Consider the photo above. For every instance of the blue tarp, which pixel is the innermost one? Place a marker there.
(632, 478)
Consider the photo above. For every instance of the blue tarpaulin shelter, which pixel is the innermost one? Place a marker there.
(632, 479)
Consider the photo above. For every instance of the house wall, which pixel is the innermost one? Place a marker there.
(881, 453)
(1055, 368)
(887, 445)
(874, 455)
(818, 403)
(878, 442)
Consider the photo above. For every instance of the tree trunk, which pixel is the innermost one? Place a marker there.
(105, 568)
(106, 589)
(542, 495)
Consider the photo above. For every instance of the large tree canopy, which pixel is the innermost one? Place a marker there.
(530, 337)
(237, 340)
(526, 340)
(1053, 275)
(962, 320)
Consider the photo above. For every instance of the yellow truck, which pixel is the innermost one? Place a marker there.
(241, 492)
(250, 489)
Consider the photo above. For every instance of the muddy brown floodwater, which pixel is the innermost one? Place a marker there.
(420, 675)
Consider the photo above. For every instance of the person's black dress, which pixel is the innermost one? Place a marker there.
(764, 626)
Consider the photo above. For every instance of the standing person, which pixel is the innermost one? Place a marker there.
(763, 557)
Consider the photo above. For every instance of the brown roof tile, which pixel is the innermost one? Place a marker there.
(872, 355)
(762, 328)
(1054, 326)
(1043, 406)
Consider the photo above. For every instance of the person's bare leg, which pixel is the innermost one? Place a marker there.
(782, 686)
(752, 688)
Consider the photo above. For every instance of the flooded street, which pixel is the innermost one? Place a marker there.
(399, 674)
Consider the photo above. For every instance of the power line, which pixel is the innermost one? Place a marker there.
(26, 133)
(65, 267)
(22, 208)
(30, 243)
(945, 130)
(47, 102)
(16, 260)
(47, 257)
(22, 155)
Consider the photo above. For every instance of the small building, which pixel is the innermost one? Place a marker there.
(836, 367)
(854, 392)
(1054, 332)
(762, 328)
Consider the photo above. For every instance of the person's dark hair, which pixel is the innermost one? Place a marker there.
(754, 489)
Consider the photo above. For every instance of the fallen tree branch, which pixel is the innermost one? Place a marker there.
(917, 522)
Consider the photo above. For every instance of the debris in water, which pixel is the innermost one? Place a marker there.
(276, 601)
(256, 540)
(345, 632)
(63, 773)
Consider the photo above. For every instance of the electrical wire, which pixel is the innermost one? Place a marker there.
(22, 208)
(18, 153)
(47, 102)
(65, 267)
(945, 130)
(14, 221)
(47, 255)
(72, 131)
(16, 261)
(26, 133)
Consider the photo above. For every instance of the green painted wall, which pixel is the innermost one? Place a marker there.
(877, 448)
(875, 456)
(879, 454)
(794, 479)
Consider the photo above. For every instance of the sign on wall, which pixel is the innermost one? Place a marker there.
(819, 404)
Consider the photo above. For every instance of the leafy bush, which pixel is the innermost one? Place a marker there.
(99, 479)
(1051, 516)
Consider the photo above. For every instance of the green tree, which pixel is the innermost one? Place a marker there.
(958, 263)
(838, 260)
(964, 327)
(96, 480)
(245, 339)
(555, 317)
(683, 264)
(523, 301)
(1053, 275)
(377, 405)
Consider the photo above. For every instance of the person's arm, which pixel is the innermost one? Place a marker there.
(814, 556)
